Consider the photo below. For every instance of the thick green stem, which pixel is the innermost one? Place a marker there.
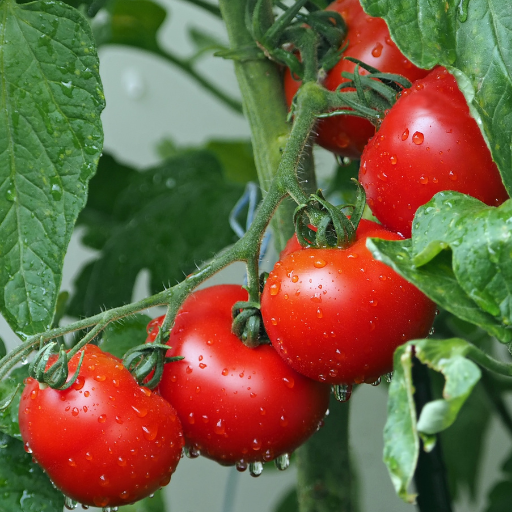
(325, 481)
(265, 108)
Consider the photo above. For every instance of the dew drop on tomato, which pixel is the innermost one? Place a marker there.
(140, 412)
(377, 50)
(452, 176)
(418, 138)
(220, 428)
(423, 180)
(289, 381)
(150, 432)
(241, 466)
(102, 418)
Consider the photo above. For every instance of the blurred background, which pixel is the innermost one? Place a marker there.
(148, 101)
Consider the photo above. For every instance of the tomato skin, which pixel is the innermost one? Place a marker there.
(105, 441)
(236, 404)
(427, 143)
(337, 315)
(369, 41)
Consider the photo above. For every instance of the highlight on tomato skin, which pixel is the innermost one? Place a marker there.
(427, 143)
(368, 39)
(337, 315)
(238, 405)
(105, 441)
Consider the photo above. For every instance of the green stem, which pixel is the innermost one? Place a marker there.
(188, 69)
(325, 480)
(265, 108)
(488, 362)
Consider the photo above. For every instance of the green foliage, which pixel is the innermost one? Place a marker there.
(473, 38)
(289, 502)
(459, 256)
(50, 141)
(167, 220)
(10, 392)
(154, 504)
(120, 337)
(402, 431)
(23, 485)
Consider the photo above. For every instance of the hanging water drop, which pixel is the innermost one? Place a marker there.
(342, 392)
(388, 377)
(256, 468)
(191, 452)
(241, 466)
(282, 462)
(70, 503)
(377, 382)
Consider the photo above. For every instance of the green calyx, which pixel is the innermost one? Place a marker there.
(320, 224)
(146, 362)
(56, 376)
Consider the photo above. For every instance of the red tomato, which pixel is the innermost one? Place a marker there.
(237, 405)
(428, 142)
(369, 41)
(337, 315)
(105, 441)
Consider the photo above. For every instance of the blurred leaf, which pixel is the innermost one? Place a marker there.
(289, 503)
(402, 430)
(459, 256)
(167, 220)
(50, 141)
(473, 37)
(154, 504)
(9, 417)
(236, 158)
(121, 336)
(500, 496)
(204, 42)
(3, 349)
(23, 485)
(166, 149)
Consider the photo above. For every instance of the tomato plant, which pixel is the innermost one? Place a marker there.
(337, 315)
(104, 441)
(428, 142)
(237, 405)
(368, 40)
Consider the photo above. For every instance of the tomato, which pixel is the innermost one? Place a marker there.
(105, 441)
(237, 405)
(369, 41)
(337, 315)
(428, 142)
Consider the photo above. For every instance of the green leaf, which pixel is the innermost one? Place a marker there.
(500, 496)
(402, 430)
(289, 503)
(473, 38)
(23, 485)
(236, 158)
(167, 220)
(50, 141)
(3, 349)
(459, 256)
(154, 504)
(129, 332)
(9, 416)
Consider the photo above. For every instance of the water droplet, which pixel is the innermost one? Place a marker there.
(102, 418)
(56, 188)
(191, 418)
(283, 421)
(104, 481)
(75, 411)
(241, 466)
(100, 378)
(256, 444)
(121, 461)
(319, 263)
(342, 392)
(319, 313)
(393, 159)
(377, 50)
(274, 288)
(418, 138)
(202, 366)
(388, 377)
(225, 372)
(377, 382)
(88, 456)
(423, 180)
(70, 503)
(150, 432)
(282, 462)
(220, 428)
(140, 412)
(27, 448)
(289, 381)
(405, 134)
(452, 176)
(79, 383)
(255, 469)
(295, 279)
(191, 452)
(432, 331)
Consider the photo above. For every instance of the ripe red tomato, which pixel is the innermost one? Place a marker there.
(337, 315)
(105, 441)
(237, 405)
(428, 142)
(369, 41)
